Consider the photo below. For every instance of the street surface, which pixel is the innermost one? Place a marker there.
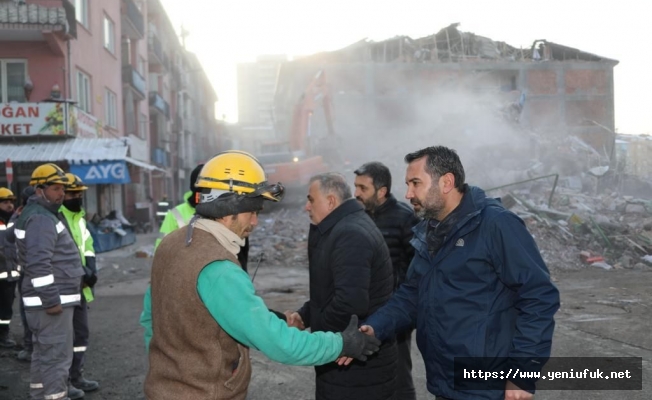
(603, 313)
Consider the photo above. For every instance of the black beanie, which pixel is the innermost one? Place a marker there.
(230, 204)
(28, 192)
(194, 175)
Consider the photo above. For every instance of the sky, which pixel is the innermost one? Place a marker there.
(226, 32)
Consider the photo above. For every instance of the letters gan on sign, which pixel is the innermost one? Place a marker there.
(28, 119)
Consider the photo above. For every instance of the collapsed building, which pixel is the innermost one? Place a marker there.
(550, 104)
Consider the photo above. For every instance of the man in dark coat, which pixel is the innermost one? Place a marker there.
(477, 286)
(394, 219)
(350, 273)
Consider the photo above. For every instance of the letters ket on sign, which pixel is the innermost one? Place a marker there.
(102, 173)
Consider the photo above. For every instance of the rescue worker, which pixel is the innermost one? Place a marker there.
(74, 214)
(51, 288)
(176, 218)
(205, 311)
(9, 272)
(26, 353)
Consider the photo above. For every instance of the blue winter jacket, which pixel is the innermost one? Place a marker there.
(486, 293)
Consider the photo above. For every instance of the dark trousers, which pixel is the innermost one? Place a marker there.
(80, 343)
(52, 353)
(27, 333)
(7, 294)
(404, 384)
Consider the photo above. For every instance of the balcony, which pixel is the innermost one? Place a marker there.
(34, 22)
(159, 104)
(135, 81)
(155, 49)
(133, 22)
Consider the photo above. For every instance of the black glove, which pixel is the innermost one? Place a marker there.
(90, 280)
(356, 344)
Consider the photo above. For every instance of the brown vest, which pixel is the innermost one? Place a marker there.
(190, 355)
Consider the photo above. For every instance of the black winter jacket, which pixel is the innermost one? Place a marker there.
(350, 273)
(395, 220)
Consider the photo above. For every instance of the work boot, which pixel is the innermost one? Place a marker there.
(25, 355)
(74, 393)
(85, 385)
(4, 337)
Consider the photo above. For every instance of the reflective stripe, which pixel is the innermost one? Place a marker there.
(3, 227)
(70, 298)
(78, 349)
(65, 299)
(161, 213)
(9, 225)
(20, 234)
(43, 281)
(5, 321)
(89, 253)
(60, 227)
(178, 217)
(56, 395)
(36, 386)
(163, 203)
(14, 274)
(19, 268)
(32, 301)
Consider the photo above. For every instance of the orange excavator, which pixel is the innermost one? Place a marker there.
(293, 161)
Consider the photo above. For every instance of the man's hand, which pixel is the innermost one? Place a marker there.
(90, 280)
(356, 344)
(294, 319)
(56, 310)
(367, 330)
(513, 392)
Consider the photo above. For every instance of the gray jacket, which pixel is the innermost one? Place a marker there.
(9, 268)
(49, 257)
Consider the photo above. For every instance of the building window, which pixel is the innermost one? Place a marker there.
(111, 109)
(81, 12)
(13, 74)
(143, 126)
(109, 35)
(84, 91)
(142, 66)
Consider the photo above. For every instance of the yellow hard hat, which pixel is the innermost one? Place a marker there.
(48, 174)
(75, 183)
(237, 172)
(6, 194)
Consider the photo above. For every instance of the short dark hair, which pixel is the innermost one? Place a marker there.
(333, 182)
(440, 161)
(378, 173)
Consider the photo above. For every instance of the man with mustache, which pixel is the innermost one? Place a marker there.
(52, 283)
(350, 273)
(476, 288)
(394, 219)
(205, 312)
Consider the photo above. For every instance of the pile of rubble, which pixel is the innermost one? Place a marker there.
(576, 230)
(281, 237)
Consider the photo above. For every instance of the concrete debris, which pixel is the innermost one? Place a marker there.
(606, 230)
(282, 235)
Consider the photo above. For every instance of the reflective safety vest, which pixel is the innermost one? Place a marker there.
(80, 233)
(176, 218)
(9, 268)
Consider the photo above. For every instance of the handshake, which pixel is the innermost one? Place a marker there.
(356, 343)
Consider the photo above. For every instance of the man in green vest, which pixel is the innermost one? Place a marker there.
(74, 213)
